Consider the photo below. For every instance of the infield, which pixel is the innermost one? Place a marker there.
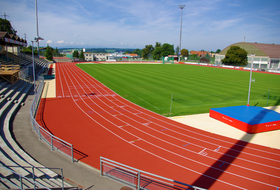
(185, 89)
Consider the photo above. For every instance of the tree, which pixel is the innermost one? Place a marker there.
(167, 49)
(49, 53)
(76, 54)
(5, 25)
(157, 51)
(56, 53)
(204, 60)
(147, 51)
(82, 56)
(235, 56)
(207, 55)
(193, 57)
(177, 50)
(218, 51)
(184, 53)
(138, 52)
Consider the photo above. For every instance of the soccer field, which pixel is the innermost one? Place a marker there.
(185, 89)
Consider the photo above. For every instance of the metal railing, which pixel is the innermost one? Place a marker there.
(54, 142)
(139, 179)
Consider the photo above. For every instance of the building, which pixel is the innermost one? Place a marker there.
(11, 43)
(96, 56)
(109, 56)
(200, 53)
(266, 56)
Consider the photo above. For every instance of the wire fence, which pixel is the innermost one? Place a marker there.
(54, 142)
(139, 179)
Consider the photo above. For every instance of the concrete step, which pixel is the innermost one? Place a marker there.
(10, 91)
(7, 184)
(5, 162)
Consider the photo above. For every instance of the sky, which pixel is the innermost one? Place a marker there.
(206, 24)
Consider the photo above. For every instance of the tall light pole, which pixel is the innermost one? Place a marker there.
(36, 39)
(37, 27)
(180, 7)
(250, 81)
(33, 63)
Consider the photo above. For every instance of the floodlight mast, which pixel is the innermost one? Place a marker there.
(180, 7)
(37, 27)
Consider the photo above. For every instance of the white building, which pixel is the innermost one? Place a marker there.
(96, 56)
(266, 56)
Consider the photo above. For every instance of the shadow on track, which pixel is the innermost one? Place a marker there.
(221, 165)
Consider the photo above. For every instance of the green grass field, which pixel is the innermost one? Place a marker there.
(195, 89)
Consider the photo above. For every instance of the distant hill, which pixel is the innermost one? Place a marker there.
(99, 50)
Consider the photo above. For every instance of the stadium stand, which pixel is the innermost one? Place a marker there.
(62, 59)
(15, 164)
(23, 61)
(17, 169)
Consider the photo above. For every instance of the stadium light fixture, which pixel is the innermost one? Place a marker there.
(252, 60)
(180, 7)
(37, 38)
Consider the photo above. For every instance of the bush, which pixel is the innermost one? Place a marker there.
(204, 60)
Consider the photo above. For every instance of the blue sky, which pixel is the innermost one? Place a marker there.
(207, 24)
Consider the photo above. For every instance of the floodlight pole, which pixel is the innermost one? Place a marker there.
(34, 77)
(180, 7)
(37, 27)
(252, 60)
(37, 39)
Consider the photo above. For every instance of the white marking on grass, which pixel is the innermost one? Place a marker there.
(136, 96)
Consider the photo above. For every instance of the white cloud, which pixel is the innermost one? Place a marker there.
(60, 42)
(49, 42)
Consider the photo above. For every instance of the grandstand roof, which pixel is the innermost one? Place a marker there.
(259, 49)
(10, 39)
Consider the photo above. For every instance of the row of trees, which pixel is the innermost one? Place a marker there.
(159, 51)
(80, 55)
(234, 56)
(162, 50)
(49, 51)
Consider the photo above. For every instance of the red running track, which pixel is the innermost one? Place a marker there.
(98, 122)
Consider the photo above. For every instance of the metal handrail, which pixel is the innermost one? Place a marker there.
(145, 174)
(38, 129)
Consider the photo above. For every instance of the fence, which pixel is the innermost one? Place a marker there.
(54, 142)
(137, 178)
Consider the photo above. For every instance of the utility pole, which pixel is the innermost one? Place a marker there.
(5, 16)
(180, 7)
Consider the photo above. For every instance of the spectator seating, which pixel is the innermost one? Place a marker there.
(15, 164)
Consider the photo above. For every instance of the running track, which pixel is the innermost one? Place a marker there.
(98, 122)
